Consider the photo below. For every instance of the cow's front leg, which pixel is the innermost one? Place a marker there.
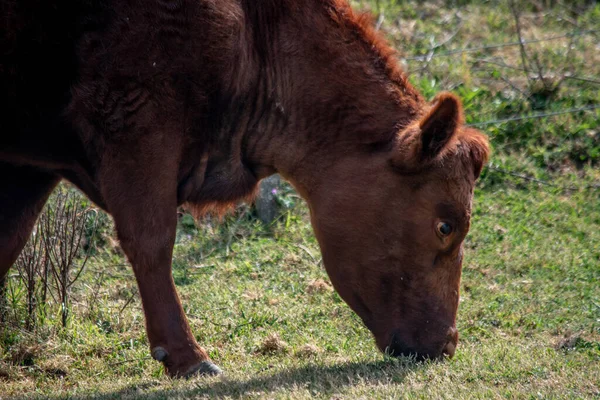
(143, 203)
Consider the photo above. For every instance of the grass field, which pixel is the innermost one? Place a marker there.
(258, 298)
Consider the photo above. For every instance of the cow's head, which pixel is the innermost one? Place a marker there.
(391, 224)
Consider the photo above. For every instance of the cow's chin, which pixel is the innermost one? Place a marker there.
(437, 346)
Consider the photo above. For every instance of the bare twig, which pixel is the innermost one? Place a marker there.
(509, 83)
(570, 8)
(242, 213)
(127, 303)
(64, 231)
(432, 49)
(307, 251)
(93, 300)
(448, 39)
(30, 264)
(524, 58)
(3, 299)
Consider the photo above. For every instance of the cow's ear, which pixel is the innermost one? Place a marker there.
(439, 125)
(423, 140)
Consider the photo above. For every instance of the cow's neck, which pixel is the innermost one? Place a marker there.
(322, 93)
(298, 91)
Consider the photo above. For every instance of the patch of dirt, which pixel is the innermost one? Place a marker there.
(308, 350)
(5, 373)
(273, 344)
(24, 355)
(318, 286)
(252, 295)
(569, 342)
(292, 260)
(56, 368)
(55, 372)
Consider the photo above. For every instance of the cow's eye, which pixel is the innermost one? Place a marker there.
(444, 228)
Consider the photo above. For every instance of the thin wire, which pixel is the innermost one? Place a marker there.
(503, 65)
(541, 181)
(429, 56)
(534, 116)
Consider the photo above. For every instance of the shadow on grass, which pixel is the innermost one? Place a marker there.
(316, 379)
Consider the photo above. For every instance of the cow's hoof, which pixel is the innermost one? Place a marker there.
(159, 354)
(205, 368)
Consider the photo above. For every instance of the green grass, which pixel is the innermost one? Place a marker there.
(529, 315)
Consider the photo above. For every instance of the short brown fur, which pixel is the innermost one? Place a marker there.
(146, 106)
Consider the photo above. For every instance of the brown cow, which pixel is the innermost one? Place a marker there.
(147, 105)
